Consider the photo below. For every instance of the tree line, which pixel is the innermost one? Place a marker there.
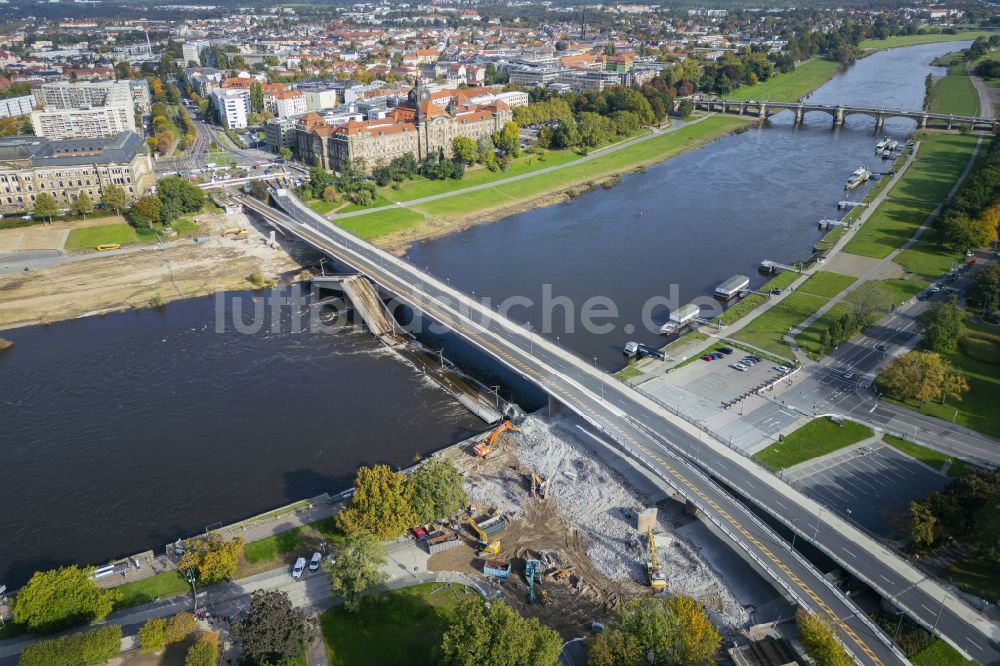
(971, 218)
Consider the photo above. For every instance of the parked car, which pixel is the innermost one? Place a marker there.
(315, 560)
(783, 369)
(881, 347)
(726, 350)
(738, 366)
(717, 355)
(298, 568)
(707, 357)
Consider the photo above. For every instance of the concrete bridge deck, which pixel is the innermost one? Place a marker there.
(839, 112)
(682, 456)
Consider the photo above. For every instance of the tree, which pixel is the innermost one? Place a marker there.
(152, 635)
(87, 648)
(381, 504)
(987, 523)
(145, 212)
(508, 139)
(438, 490)
(922, 376)
(330, 194)
(180, 626)
(465, 149)
(985, 291)
(60, 598)
(114, 197)
(205, 652)
(212, 558)
(256, 97)
(285, 154)
(923, 524)
(820, 641)
(357, 569)
(45, 206)
(497, 635)
(685, 108)
(178, 196)
(83, 206)
(272, 630)
(941, 327)
(8, 126)
(676, 632)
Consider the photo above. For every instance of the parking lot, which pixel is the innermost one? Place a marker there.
(866, 483)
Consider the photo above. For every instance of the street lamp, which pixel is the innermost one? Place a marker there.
(818, 517)
(943, 599)
(189, 574)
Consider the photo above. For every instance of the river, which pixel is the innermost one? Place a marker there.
(120, 433)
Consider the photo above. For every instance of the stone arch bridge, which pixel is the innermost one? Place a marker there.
(839, 112)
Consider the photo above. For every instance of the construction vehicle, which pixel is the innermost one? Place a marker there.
(657, 580)
(108, 246)
(537, 485)
(533, 575)
(491, 547)
(235, 231)
(485, 447)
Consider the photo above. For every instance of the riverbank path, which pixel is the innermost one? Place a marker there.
(600, 152)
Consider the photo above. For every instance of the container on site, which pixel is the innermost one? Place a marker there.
(498, 568)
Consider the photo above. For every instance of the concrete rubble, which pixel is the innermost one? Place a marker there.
(603, 508)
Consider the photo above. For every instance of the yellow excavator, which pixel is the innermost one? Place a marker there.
(657, 580)
(236, 232)
(485, 447)
(537, 485)
(489, 547)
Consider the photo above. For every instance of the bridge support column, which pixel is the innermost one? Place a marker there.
(838, 117)
(951, 120)
(743, 108)
(879, 122)
(923, 121)
(798, 116)
(554, 406)
(762, 111)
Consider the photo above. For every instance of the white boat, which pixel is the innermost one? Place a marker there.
(860, 176)
(881, 145)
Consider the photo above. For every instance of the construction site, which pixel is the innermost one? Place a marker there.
(564, 538)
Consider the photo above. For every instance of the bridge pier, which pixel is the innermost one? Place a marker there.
(554, 406)
(762, 111)
(838, 117)
(951, 120)
(923, 121)
(799, 115)
(743, 108)
(879, 122)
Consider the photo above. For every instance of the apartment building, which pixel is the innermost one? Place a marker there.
(233, 105)
(88, 109)
(30, 165)
(16, 106)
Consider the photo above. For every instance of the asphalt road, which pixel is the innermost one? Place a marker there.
(824, 388)
(632, 422)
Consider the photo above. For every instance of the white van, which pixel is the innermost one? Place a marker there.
(314, 562)
(300, 566)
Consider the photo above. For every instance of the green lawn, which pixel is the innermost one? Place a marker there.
(816, 438)
(922, 38)
(929, 457)
(954, 93)
(810, 340)
(321, 207)
(954, 149)
(939, 653)
(978, 358)
(751, 302)
(652, 150)
(401, 627)
(887, 228)
(927, 259)
(91, 237)
(826, 283)
(931, 178)
(294, 542)
(976, 576)
(421, 187)
(166, 584)
(381, 223)
(186, 227)
(767, 331)
(791, 86)
(378, 202)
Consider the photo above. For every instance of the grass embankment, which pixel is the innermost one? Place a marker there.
(921, 38)
(939, 653)
(978, 358)
(160, 586)
(887, 228)
(400, 627)
(769, 329)
(791, 86)
(816, 438)
(751, 302)
(89, 238)
(481, 203)
(953, 467)
(954, 93)
(976, 576)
